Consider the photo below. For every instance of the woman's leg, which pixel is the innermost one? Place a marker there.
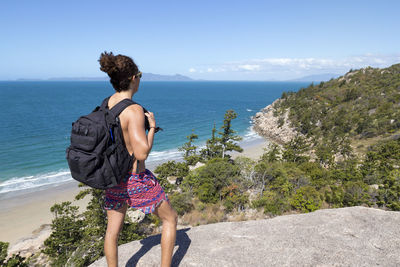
(115, 220)
(169, 219)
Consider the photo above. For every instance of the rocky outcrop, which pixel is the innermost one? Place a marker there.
(28, 246)
(353, 236)
(277, 129)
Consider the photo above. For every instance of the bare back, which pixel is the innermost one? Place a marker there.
(133, 132)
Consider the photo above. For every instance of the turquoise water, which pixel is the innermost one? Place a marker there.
(37, 117)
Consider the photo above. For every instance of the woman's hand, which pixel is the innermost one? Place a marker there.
(152, 120)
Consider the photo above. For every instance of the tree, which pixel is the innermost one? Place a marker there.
(213, 148)
(272, 153)
(189, 149)
(228, 137)
(295, 149)
(324, 154)
(66, 233)
(95, 223)
(345, 148)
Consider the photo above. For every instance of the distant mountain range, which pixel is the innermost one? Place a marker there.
(317, 77)
(179, 77)
(159, 77)
(146, 77)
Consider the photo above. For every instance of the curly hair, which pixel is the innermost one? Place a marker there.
(119, 68)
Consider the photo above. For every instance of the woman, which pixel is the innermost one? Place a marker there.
(141, 189)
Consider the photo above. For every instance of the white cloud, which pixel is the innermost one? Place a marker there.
(192, 70)
(249, 67)
(326, 63)
(287, 68)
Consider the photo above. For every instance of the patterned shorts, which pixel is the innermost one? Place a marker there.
(139, 190)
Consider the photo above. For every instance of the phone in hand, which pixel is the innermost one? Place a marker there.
(147, 124)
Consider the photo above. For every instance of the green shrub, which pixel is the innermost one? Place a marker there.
(389, 193)
(15, 260)
(3, 252)
(355, 193)
(335, 196)
(170, 168)
(207, 192)
(78, 239)
(306, 199)
(181, 202)
(207, 181)
(318, 175)
(66, 233)
(234, 198)
(272, 202)
(236, 202)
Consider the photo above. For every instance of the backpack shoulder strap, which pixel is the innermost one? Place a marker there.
(120, 106)
(104, 104)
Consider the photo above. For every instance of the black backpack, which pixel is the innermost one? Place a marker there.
(97, 155)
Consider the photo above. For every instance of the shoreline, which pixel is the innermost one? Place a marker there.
(22, 185)
(24, 212)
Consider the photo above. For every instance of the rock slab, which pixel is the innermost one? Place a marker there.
(352, 236)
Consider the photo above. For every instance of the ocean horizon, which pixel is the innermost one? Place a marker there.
(36, 127)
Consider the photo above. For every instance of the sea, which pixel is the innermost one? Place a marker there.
(36, 120)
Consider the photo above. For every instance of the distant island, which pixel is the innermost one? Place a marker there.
(146, 77)
(178, 77)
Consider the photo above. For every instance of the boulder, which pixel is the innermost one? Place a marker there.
(352, 236)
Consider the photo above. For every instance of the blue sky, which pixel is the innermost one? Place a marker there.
(215, 40)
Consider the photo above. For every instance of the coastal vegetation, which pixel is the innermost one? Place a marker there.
(346, 153)
(351, 110)
(14, 260)
(78, 239)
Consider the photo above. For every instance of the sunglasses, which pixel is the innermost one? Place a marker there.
(138, 75)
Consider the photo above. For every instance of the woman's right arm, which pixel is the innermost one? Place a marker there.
(141, 144)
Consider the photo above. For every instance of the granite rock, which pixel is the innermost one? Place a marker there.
(351, 236)
(269, 126)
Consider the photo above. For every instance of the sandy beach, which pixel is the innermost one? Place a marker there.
(26, 212)
(22, 213)
(253, 151)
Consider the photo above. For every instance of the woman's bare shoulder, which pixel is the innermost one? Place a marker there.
(134, 111)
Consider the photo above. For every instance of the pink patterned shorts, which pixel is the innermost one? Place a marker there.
(139, 190)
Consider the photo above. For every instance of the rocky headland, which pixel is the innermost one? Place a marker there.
(276, 129)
